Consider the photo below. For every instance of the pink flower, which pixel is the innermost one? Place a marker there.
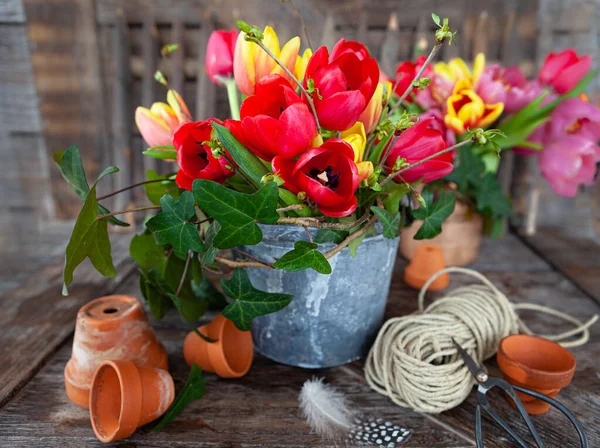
(490, 86)
(439, 124)
(219, 54)
(564, 70)
(568, 162)
(518, 97)
(574, 117)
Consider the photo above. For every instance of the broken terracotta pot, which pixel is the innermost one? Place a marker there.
(124, 397)
(229, 357)
(111, 327)
(426, 261)
(538, 364)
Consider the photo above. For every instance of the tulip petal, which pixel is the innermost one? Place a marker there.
(352, 103)
(568, 78)
(288, 56)
(155, 131)
(340, 210)
(243, 64)
(284, 169)
(297, 128)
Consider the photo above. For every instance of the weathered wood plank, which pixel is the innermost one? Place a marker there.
(36, 318)
(268, 415)
(11, 11)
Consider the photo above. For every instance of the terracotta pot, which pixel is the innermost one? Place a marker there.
(111, 327)
(427, 260)
(229, 357)
(125, 396)
(535, 363)
(460, 238)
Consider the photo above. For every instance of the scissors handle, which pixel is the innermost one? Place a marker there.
(578, 427)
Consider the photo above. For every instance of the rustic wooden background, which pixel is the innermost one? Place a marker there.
(72, 71)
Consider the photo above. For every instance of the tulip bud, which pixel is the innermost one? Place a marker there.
(219, 55)
(301, 196)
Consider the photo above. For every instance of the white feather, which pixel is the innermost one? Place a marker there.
(326, 410)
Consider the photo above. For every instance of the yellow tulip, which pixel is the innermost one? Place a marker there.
(372, 113)
(251, 63)
(457, 69)
(357, 138)
(301, 63)
(466, 109)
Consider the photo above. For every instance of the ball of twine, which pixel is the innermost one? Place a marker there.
(414, 361)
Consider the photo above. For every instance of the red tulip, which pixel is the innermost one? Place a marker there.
(564, 70)
(219, 54)
(344, 85)
(195, 159)
(416, 143)
(406, 72)
(275, 121)
(327, 174)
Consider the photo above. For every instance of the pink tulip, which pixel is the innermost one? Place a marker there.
(156, 124)
(568, 162)
(564, 70)
(219, 54)
(575, 117)
(518, 97)
(490, 86)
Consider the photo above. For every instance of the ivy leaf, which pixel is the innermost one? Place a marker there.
(158, 302)
(193, 390)
(468, 171)
(170, 226)
(330, 235)
(157, 190)
(206, 292)
(354, 244)
(249, 301)
(208, 257)
(491, 202)
(396, 192)
(434, 214)
(88, 240)
(71, 167)
(389, 221)
(237, 212)
(303, 256)
(144, 250)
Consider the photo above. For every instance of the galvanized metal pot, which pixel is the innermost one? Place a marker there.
(333, 319)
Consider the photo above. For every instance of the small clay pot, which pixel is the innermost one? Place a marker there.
(535, 363)
(427, 260)
(460, 238)
(229, 357)
(111, 327)
(125, 396)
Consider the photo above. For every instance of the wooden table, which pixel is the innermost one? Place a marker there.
(260, 409)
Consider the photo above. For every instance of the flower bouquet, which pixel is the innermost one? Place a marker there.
(548, 117)
(306, 175)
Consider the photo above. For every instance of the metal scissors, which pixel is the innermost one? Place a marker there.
(486, 383)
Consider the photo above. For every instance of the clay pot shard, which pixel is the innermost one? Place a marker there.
(229, 357)
(538, 364)
(124, 397)
(111, 327)
(426, 261)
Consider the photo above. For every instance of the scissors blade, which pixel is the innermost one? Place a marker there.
(473, 367)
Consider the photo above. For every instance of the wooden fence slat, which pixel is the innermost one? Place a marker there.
(178, 57)
(389, 49)
(149, 85)
(205, 89)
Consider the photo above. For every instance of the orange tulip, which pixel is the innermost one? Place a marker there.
(158, 123)
(370, 116)
(251, 63)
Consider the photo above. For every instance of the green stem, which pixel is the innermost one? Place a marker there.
(232, 94)
(120, 212)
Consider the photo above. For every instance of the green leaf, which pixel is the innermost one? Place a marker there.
(434, 214)
(208, 257)
(247, 162)
(354, 244)
(396, 192)
(157, 190)
(89, 240)
(238, 183)
(290, 198)
(468, 171)
(206, 292)
(71, 167)
(436, 19)
(170, 226)
(303, 256)
(389, 221)
(330, 235)
(193, 390)
(144, 250)
(491, 202)
(249, 301)
(161, 152)
(158, 302)
(237, 212)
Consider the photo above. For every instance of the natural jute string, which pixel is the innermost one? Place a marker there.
(414, 361)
